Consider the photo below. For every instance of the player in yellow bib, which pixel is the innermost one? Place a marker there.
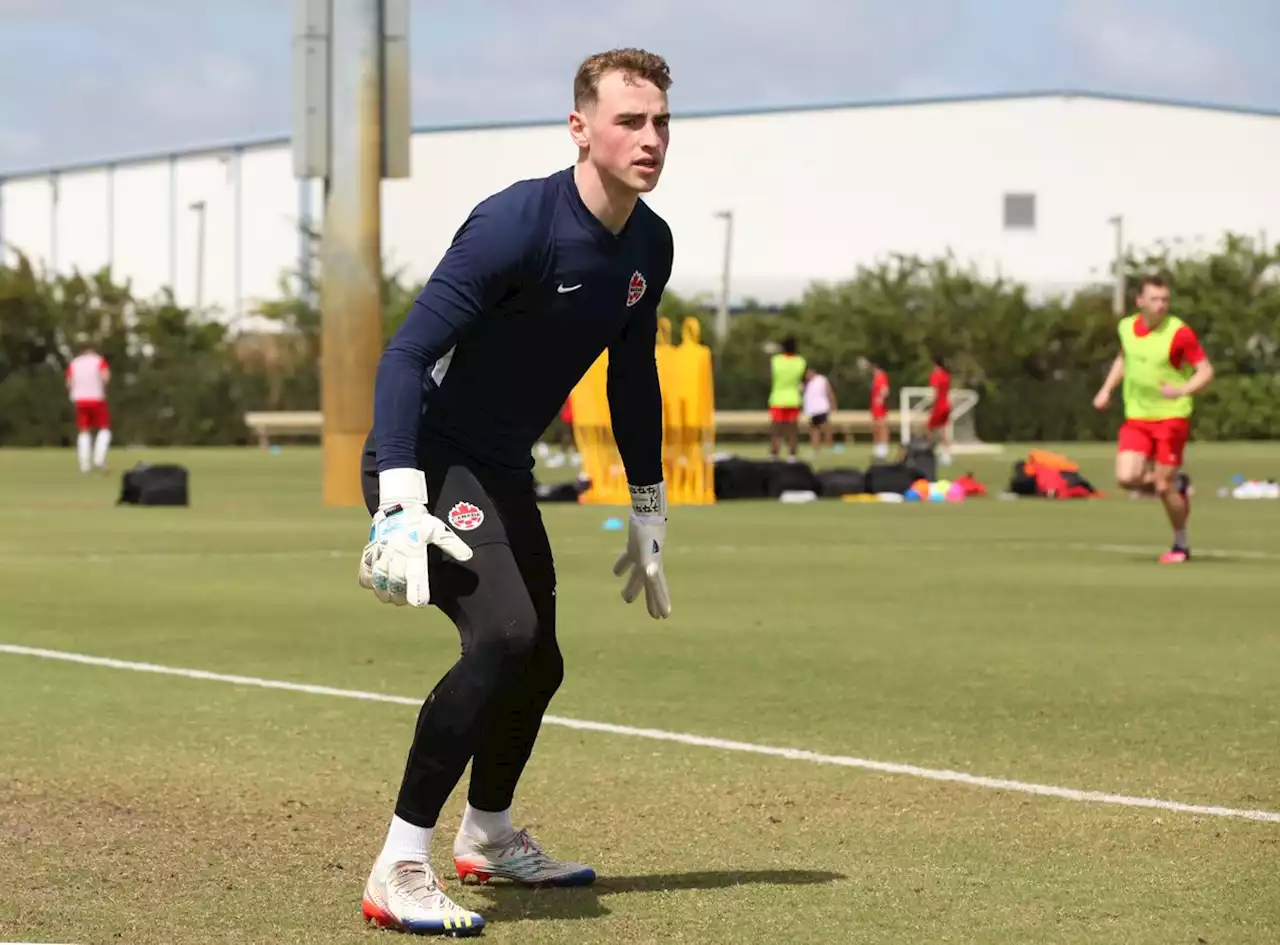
(1162, 367)
(785, 392)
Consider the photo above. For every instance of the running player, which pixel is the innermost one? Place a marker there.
(1163, 367)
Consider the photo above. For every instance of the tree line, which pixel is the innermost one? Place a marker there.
(179, 378)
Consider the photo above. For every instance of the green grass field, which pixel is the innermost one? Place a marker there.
(1031, 641)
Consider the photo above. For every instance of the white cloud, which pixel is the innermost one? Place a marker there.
(18, 146)
(1126, 48)
(134, 78)
(217, 91)
(722, 53)
(926, 85)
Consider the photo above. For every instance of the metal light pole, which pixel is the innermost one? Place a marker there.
(54, 197)
(198, 209)
(1117, 298)
(111, 216)
(722, 311)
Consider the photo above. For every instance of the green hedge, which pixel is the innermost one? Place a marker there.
(179, 379)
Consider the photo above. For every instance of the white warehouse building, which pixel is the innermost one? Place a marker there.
(1024, 185)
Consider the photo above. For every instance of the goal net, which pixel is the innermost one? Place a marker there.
(914, 404)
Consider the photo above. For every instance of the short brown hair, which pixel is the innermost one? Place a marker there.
(637, 62)
(1155, 279)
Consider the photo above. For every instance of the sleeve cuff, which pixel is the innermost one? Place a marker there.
(401, 485)
(649, 500)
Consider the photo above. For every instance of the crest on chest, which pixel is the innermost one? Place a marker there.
(635, 288)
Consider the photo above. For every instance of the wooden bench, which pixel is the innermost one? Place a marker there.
(264, 424)
(748, 423)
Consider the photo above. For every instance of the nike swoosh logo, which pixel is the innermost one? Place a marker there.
(562, 289)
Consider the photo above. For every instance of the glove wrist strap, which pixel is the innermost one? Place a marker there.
(649, 501)
(401, 486)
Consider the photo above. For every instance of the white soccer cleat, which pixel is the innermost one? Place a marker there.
(519, 859)
(407, 896)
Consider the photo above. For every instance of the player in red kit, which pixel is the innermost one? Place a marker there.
(87, 377)
(1162, 367)
(879, 412)
(940, 415)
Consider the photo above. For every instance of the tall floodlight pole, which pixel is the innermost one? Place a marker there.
(54, 197)
(1117, 295)
(722, 310)
(351, 128)
(198, 208)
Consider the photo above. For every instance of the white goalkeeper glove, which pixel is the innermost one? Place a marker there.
(643, 555)
(394, 562)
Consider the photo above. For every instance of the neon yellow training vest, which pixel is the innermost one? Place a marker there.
(788, 372)
(1147, 367)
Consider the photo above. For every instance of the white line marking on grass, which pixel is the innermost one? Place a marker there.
(791, 754)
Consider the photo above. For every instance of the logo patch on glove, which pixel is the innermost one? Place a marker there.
(464, 517)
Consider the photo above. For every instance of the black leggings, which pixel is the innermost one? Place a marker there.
(488, 707)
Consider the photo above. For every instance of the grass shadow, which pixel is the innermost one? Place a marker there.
(509, 902)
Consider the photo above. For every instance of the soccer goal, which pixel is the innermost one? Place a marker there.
(913, 411)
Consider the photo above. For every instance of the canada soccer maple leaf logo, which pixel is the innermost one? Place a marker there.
(635, 289)
(464, 516)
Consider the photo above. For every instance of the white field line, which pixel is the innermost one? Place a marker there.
(791, 754)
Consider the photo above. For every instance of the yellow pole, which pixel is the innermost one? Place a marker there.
(351, 256)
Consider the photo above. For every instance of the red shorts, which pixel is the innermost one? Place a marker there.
(784, 414)
(1161, 440)
(879, 413)
(939, 417)
(92, 415)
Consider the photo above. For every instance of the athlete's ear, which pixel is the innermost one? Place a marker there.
(578, 129)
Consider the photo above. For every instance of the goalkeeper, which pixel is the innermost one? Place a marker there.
(539, 281)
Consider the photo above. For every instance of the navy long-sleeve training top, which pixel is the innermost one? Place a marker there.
(530, 292)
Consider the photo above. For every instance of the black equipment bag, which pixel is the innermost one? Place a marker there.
(561, 491)
(791, 477)
(737, 478)
(842, 481)
(921, 456)
(1022, 482)
(164, 484)
(895, 477)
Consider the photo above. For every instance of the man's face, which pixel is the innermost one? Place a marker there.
(1153, 302)
(626, 131)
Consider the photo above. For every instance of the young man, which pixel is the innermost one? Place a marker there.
(1163, 367)
(879, 412)
(786, 370)
(540, 279)
(87, 377)
(819, 402)
(940, 414)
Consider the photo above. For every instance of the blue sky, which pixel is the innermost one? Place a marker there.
(85, 80)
